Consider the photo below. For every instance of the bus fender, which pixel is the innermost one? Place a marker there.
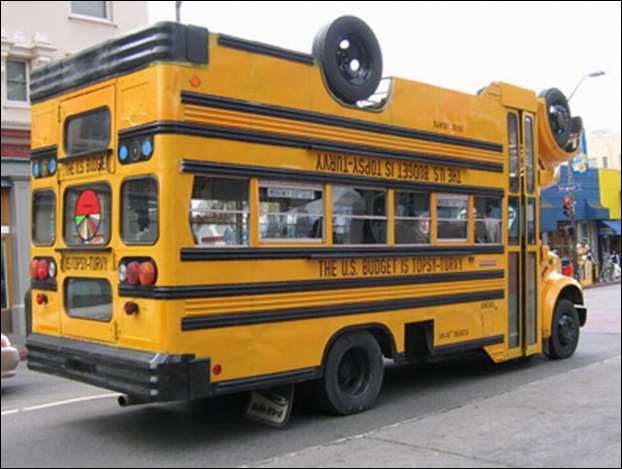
(558, 287)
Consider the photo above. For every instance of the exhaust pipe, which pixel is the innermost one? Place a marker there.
(126, 401)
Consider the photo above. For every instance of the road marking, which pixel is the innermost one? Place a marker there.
(58, 404)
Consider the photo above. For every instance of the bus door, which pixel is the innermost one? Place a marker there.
(86, 259)
(522, 246)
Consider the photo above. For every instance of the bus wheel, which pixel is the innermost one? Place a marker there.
(558, 113)
(350, 58)
(565, 330)
(353, 374)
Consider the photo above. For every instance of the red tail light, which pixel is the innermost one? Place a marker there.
(43, 271)
(147, 273)
(133, 273)
(34, 269)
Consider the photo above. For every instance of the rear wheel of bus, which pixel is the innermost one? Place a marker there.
(353, 374)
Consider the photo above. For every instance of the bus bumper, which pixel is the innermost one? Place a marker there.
(145, 376)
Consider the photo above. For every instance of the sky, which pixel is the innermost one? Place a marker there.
(460, 45)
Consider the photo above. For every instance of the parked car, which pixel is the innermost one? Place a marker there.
(10, 358)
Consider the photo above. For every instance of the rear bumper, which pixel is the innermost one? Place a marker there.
(145, 376)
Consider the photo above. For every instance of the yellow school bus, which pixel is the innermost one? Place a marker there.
(215, 215)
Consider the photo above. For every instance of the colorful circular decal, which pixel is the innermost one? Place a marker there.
(88, 215)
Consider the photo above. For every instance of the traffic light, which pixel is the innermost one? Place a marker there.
(568, 207)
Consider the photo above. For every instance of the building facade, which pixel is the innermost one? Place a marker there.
(33, 34)
(604, 150)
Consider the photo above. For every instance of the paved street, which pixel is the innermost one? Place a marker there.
(466, 413)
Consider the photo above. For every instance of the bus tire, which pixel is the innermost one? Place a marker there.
(558, 115)
(564, 331)
(350, 58)
(353, 374)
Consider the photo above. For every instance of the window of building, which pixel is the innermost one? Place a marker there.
(93, 9)
(17, 81)
(605, 162)
(5, 276)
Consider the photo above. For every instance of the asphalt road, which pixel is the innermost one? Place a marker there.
(466, 413)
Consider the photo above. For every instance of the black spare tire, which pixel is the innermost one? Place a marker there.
(558, 114)
(350, 58)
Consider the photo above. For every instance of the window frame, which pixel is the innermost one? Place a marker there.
(293, 186)
(362, 218)
(242, 216)
(25, 84)
(35, 207)
(125, 207)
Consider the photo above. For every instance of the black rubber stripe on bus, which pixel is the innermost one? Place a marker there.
(270, 288)
(220, 169)
(231, 104)
(298, 314)
(264, 49)
(336, 252)
(249, 136)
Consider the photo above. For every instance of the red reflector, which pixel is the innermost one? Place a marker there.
(147, 273)
(41, 299)
(133, 273)
(217, 369)
(131, 308)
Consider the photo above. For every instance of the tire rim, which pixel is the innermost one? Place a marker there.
(353, 372)
(353, 60)
(567, 330)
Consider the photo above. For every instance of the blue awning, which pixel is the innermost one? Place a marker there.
(596, 211)
(548, 217)
(611, 227)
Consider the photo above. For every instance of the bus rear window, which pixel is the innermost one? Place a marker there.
(87, 215)
(88, 133)
(88, 298)
(44, 218)
(139, 211)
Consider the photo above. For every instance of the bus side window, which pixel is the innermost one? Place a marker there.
(488, 220)
(219, 211)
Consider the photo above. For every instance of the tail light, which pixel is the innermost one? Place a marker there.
(137, 272)
(42, 269)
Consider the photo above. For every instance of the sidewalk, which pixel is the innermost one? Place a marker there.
(568, 420)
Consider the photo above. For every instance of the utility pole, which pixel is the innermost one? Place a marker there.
(178, 12)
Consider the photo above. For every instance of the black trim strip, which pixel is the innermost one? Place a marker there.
(236, 254)
(264, 49)
(220, 169)
(251, 319)
(230, 104)
(468, 345)
(82, 249)
(46, 152)
(269, 288)
(101, 152)
(162, 42)
(249, 136)
(267, 381)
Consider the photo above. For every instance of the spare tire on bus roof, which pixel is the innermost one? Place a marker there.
(558, 114)
(350, 58)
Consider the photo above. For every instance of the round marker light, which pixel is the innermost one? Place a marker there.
(147, 148)
(52, 166)
(35, 170)
(123, 153)
(130, 308)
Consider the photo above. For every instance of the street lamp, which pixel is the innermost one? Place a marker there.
(589, 75)
(569, 209)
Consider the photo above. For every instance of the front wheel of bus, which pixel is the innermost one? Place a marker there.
(353, 374)
(565, 330)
